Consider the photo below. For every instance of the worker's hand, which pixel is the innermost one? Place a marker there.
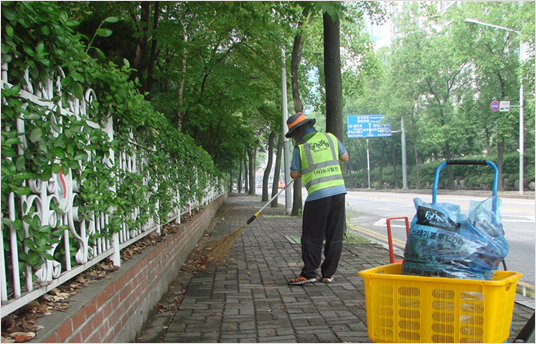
(295, 174)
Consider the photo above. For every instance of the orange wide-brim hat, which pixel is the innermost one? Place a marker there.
(295, 121)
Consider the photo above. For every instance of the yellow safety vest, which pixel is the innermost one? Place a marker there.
(320, 162)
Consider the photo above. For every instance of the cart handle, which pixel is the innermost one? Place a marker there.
(467, 162)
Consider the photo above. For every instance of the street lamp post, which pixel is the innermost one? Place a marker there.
(521, 102)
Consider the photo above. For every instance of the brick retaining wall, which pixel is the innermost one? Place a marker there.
(115, 309)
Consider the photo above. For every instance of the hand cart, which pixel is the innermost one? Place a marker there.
(408, 308)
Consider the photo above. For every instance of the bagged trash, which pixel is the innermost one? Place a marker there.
(442, 242)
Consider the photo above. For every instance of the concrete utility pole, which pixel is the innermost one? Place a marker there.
(404, 164)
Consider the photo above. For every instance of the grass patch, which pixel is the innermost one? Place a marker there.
(351, 238)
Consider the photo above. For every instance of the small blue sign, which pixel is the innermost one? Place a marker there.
(367, 126)
(495, 105)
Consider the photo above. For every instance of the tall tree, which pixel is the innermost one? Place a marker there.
(277, 168)
(218, 50)
(297, 50)
(268, 168)
(141, 47)
(153, 54)
(332, 74)
(495, 70)
(252, 155)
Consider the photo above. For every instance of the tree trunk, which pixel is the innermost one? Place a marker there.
(152, 58)
(297, 50)
(252, 185)
(332, 74)
(277, 168)
(141, 48)
(239, 184)
(297, 200)
(294, 63)
(268, 168)
(182, 82)
(246, 188)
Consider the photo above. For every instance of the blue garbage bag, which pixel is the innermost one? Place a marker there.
(443, 242)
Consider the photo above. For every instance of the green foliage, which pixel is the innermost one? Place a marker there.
(39, 37)
(467, 176)
(441, 79)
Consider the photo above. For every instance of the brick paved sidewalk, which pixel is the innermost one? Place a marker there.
(249, 299)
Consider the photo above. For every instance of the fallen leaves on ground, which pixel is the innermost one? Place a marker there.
(22, 336)
(20, 329)
(196, 263)
(161, 308)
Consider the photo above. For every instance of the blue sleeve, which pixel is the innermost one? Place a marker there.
(295, 164)
(342, 149)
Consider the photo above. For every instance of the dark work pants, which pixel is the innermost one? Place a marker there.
(322, 219)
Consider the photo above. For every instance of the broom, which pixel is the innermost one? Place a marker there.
(221, 246)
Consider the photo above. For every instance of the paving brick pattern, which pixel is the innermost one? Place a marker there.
(248, 299)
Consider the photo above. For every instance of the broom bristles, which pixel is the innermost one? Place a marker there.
(220, 247)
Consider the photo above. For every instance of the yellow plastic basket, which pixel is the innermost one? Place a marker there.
(405, 308)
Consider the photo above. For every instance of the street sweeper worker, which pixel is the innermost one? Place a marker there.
(315, 159)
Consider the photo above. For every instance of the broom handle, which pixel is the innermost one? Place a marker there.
(251, 219)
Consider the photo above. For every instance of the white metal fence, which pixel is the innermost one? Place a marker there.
(53, 203)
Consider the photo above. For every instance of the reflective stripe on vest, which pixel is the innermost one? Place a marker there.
(320, 162)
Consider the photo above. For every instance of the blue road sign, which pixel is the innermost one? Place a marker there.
(495, 105)
(367, 126)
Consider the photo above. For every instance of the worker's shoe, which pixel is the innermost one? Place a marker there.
(301, 280)
(328, 279)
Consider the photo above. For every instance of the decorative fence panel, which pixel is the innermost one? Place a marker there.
(53, 204)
